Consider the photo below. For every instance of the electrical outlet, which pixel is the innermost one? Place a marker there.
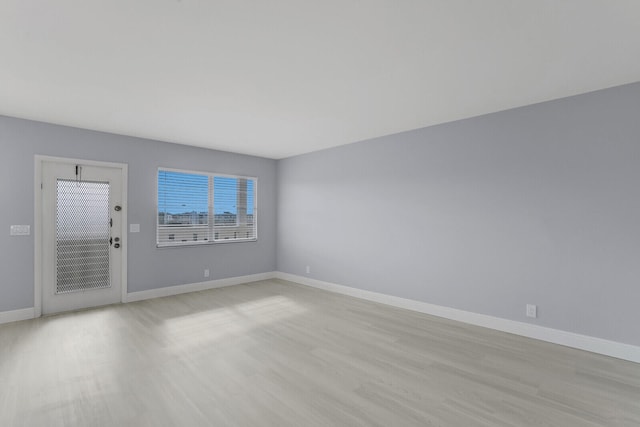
(206, 272)
(308, 270)
(532, 310)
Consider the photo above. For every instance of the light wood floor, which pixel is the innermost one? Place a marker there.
(272, 353)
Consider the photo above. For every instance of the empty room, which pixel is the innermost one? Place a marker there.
(320, 213)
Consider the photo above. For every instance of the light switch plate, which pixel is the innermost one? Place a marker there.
(20, 230)
(134, 228)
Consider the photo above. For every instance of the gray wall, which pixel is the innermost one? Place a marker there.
(148, 266)
(533, 205)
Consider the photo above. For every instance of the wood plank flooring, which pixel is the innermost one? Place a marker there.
(273, 353)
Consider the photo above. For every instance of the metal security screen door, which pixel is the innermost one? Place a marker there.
(82, 236)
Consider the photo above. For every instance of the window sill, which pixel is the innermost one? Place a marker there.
(202, 243)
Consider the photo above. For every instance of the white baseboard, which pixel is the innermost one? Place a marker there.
(555, 336)
(15, 315)
(194, 287)
(29, 313)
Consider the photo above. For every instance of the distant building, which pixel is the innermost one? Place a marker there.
(200, 218)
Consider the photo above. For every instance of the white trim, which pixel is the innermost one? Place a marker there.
(37, 194)
(194, 287)
(30, 313)
(37, 232)
(569, 339)
(16, 315)
(124, 237)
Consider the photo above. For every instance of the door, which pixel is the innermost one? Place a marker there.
(82, 224)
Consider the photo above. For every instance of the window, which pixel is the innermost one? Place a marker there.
(198, 208)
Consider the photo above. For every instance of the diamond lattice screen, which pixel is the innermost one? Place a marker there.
(82, 235)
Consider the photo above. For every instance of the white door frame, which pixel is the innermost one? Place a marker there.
(39, 160)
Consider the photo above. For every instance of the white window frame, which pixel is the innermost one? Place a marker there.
(210, 226)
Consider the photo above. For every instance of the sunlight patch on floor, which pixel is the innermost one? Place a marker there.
(185, 331)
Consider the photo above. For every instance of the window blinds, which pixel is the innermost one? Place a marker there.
(196, 208)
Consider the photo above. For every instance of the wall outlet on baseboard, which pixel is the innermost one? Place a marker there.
(206, 272)
(308, 270)
(532, 310)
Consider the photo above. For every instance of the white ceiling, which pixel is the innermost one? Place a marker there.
(278, 78)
